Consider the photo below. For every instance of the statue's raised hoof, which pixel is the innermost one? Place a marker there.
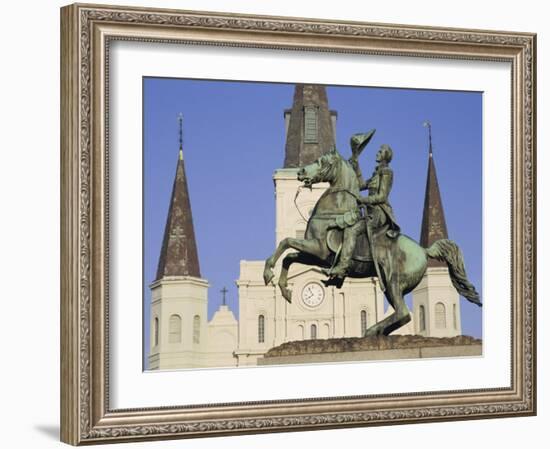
(287, 294)
(268, 275)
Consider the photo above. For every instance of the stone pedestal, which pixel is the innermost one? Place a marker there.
(371, 348)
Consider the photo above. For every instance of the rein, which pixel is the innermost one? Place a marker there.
(341, 189)
(296, 204)
(329, 191)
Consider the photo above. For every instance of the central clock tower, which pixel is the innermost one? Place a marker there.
(310, 132)
(266, 318)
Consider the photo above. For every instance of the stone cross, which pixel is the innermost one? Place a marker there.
(223, 292)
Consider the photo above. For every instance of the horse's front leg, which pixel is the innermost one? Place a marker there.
(288, 260)
(313, 247)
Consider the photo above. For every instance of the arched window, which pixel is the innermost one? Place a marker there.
(313, 331)
(261, 329)
(440, 318)
(326, 330)
(422, 318)
(363, 322)
(156, 332)
(301, 335)
(196, 329)
(174, 329)
(455, 321)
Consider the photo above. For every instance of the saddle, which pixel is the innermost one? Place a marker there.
(362, 251)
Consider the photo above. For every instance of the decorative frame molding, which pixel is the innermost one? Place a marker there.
(86, 32)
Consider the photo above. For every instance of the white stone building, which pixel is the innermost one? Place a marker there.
(181, 336)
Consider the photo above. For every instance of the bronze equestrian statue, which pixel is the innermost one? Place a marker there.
(376, 207)
(379, 249)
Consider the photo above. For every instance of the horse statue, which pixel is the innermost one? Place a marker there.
(401, 261)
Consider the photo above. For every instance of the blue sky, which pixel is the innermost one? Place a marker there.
(234, 139)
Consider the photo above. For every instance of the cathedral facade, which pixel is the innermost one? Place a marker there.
(181, 335)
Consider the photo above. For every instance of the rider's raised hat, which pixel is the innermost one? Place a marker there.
(359, 141)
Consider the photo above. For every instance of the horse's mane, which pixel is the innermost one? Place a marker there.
(350, 168)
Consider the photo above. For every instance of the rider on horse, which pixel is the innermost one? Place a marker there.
(403, 262)
(379, 214)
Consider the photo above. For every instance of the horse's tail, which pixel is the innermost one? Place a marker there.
(449, 252)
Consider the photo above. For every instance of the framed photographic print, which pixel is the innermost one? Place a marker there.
(280, 224)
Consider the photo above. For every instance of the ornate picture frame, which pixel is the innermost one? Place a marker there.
(87, 31)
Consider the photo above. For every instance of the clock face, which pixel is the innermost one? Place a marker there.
(313, 294)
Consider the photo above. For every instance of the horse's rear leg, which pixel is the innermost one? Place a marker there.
(313, 247)
(398, 318)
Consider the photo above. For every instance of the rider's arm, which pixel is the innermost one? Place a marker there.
(386, 179)
(363, 185)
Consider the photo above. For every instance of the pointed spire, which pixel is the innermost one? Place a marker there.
(180, 121)
(434, 226)
(428, 125)
(310, 126)
(178, 256)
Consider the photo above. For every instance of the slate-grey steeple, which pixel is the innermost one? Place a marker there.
(433, 218)
(179, 256)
